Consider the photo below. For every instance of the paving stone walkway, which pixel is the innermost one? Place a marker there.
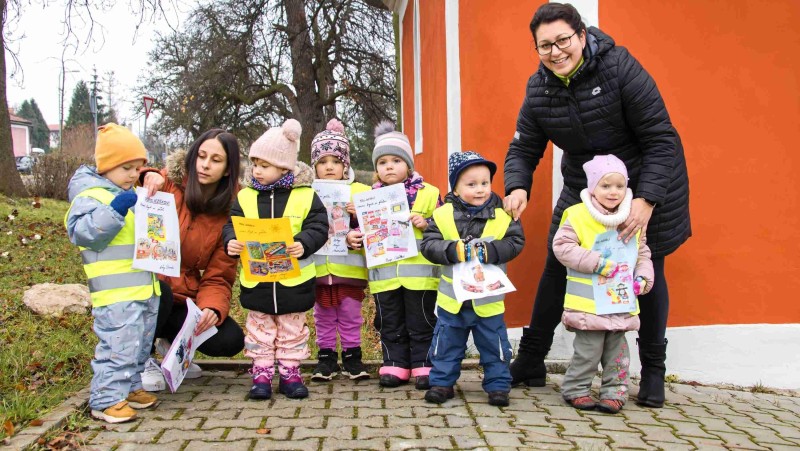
(213, 413)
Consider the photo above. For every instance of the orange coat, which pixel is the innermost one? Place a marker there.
(207, 272)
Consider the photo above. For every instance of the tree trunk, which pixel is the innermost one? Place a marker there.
(10, 181)
(310, 114)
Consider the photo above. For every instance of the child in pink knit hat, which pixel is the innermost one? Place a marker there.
(280, 186)
(405, 291)
(341, 279)
(600, 337)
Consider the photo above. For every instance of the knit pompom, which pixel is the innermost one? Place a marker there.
(335, 126)
(383, 128)
(292, 129)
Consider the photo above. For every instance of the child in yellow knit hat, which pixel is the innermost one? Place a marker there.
(124, 300)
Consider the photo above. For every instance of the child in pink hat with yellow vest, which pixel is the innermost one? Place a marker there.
(598, 338)
(280, 186)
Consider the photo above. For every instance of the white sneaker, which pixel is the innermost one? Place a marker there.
(152, 378)
(193, 372)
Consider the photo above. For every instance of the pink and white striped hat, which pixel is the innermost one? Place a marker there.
(391, 142)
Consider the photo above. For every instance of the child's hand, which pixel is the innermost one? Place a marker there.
(418, 221)
(123, 201)
(153, 181)
(235, 247)
(354, 239)
(295, 249)
(606, 267)
(639, 285)
(350, 208)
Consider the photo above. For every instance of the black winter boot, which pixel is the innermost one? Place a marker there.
(327, 367)
(528, 367)
(353, 366)
(651, 387)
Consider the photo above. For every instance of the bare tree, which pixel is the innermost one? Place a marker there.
(82, 11)
(246, 64)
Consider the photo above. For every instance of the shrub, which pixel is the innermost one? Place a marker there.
(51, 174)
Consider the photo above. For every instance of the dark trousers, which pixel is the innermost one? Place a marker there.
(227, 342)
(549, 303)
(405, 320)
(450, 344)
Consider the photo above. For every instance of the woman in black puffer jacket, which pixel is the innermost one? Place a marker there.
(591, 97)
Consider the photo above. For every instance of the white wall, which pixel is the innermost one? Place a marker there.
(740, 354)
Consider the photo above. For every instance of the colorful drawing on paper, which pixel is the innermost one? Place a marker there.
(155, 227)
(383, 215)
(615, 294)
(335, 194)
(157, 234)
(266, 242)
(476, 280)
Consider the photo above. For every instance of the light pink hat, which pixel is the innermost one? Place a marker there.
(599, 166)
(279, 146)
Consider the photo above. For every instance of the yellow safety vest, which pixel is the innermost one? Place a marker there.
(446, 299)
(415, 273)
(297, 208)
(580, 294)
(354, 264)
(111, 278)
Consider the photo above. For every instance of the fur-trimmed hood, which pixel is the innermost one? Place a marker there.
(176, 166)
(303, 175)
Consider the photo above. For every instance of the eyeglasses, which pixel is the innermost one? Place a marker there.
(561, 43)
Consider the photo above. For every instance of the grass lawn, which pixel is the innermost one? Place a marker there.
(43, 360)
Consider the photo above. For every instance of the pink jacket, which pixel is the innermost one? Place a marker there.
(569, 252)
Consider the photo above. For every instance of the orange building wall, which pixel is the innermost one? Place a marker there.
(497, 57)
(734, 99)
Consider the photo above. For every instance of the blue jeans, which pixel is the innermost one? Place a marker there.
(125, 332)
(450, 344)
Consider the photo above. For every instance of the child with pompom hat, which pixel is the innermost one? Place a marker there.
(404, 291)
(280, 186)
(341, 279)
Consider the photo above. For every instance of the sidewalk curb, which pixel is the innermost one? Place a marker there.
(27, 438)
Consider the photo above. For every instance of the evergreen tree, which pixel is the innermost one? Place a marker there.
(40, 134)
(79, 109)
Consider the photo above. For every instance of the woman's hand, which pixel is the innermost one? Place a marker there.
(207, 319)
(515, 203)
(350, 208)
(637, 220)
(153, 181)
(354, 239)
(235, 247)
(295, 249)
(418, 221)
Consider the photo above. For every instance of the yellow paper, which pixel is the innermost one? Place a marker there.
(265, 258)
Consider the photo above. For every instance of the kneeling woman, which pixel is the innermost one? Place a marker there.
(204, 181)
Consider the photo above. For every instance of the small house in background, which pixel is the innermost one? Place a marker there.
(734, 311)
(20, 134)
(55, 135)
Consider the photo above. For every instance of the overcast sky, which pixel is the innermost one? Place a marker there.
(38, 40)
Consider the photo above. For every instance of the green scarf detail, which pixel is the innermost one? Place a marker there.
(566, 79)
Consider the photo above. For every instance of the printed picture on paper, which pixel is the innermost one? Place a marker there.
(335, 195)
(383, 216)
(615, 294)
(266, 241)
(157, 234)
(475, 280)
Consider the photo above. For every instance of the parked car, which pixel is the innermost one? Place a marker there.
(24, 164)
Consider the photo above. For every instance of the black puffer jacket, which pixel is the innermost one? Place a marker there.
(443, 252)
(313, 235)
(612, 106)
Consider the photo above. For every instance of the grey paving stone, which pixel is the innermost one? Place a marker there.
(276, 433)
(375, 422)
(407, 431)
(627, 440)
(586, 443)
(111, 438)
(381, 412)
(403, 443)
(343, 432)
(335, 444)
(714, 425)
(764, 418)
(294, 422)
(485, 410)
(645, 417)
(688, 429)
(565, 413)
(503, 439)
(283, 412)
(239, 445)
(658, 434)
(674, 446)
(433, 420)
(540, 434)
(175, 435)
(360, 403)
(578, 428)
(472, 443)
(186, 425)
(252, 423)
(459, 421)
(489, 424)
(530, 418)
(149, 447)
(740, 441)
(766, 437)
(432, 432)
(283, 445)
(697, 412)
(786, 431)
(604, 423)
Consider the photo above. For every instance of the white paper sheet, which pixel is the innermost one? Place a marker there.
(335, 194)
(383, 216)
(181, 352)
(158, 243)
